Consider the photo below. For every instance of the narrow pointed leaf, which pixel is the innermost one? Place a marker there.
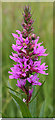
(37, 92)
(23, 107)
(14, 90)
(32, 105)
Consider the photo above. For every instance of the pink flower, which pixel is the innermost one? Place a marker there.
(26, 63)
(28, 54)
(33, 79)
(38, 49)
(21, 83)
(24, 100)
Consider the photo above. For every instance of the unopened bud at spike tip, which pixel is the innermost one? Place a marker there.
(27, 22)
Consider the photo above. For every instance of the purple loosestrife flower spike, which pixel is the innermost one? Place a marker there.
(27, 22)
(28, 52)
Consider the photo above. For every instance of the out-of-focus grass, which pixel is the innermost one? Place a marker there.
(43, 26)
(0, 59)
(54, 60)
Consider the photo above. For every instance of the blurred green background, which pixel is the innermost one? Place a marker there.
(42, 13)
(0, 58)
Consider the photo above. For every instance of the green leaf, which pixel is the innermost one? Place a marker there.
(37, 92)
(27, 83)
(24, 109)
(42, 110)
(32, 105)
(19, 114)
(14, 90)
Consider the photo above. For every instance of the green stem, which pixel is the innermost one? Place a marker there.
(27, 100)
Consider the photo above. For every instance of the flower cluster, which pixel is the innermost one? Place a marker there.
(27, 22)
(28, 55)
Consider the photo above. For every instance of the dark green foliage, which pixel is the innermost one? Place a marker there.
(23, 106)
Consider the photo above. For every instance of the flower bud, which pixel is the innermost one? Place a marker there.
(33, 36)
(30, 38)
(27, 22)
